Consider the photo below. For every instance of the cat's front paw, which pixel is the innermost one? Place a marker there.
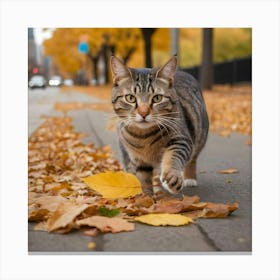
(172, 181)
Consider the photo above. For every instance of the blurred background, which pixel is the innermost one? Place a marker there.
(79, 56)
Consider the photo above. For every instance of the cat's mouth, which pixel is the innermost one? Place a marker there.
(144, 123)
(143, 119)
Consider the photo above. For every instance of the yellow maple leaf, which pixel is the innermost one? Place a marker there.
(164, 219)
(114, 184)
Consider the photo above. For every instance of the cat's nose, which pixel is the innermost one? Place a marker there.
(144, 114)
(144, 110)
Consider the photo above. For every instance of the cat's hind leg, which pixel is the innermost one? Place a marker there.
(190, 174)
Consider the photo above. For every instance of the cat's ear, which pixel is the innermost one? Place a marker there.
(168, 70)
(119, 70)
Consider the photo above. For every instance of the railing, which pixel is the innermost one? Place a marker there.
(230, 72)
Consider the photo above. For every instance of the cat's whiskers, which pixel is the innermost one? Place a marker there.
(161, 123)
(169, 123)
(158, 125)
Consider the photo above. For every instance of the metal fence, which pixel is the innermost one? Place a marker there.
(230, 72)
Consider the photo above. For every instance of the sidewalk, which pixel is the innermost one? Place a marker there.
(231, 234)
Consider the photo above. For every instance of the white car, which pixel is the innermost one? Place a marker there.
(37, 81)
(68, 82)
(55, 81)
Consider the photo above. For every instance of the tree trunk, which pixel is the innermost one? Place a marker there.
(94, 60)
(206, 69)
(106, 51)
(128, 54)
(147, 35)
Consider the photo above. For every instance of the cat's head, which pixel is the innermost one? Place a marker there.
(144, 97)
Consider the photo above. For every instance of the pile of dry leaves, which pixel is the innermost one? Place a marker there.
(70, 188)
(229, 109)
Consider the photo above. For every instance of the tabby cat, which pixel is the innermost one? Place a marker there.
(162, 123)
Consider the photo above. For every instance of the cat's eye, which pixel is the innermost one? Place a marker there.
(130, 98)
(157, 98)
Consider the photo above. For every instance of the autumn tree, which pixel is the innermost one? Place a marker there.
(63, 47)
(130, 38)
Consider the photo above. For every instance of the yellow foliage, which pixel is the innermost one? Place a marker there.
(190, 46)
(228, 43)
(114, 184)
(164, 219)
(63, 46)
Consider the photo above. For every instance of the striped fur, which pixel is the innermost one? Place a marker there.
(163, 124)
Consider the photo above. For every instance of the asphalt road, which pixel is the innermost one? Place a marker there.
(232, 234)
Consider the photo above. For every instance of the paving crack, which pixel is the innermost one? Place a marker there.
(209, 240)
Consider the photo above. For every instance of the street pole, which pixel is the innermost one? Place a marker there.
(174, 42)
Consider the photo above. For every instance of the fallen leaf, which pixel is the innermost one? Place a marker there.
(64, 215)
(194, 214)
(114, 184)
(91, 232)
(91, 245)
(42, 226)
(38, 215)
(33, 196)
(169, 206)
(228, 171)
(197, 206)
(173, 206)
(50, 203)
(108, 212)
(106, 224)
(164, 219)
(229, 109)
(143, 200)
(59, 198)
(219, 210)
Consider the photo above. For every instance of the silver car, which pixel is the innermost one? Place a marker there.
(37, 81)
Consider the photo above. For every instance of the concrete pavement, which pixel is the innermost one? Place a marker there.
(231, 234)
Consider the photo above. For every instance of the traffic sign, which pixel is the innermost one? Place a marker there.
(83, 47)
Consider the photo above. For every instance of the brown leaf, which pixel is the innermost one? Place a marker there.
(64, 215)
(106, 224)
(219, 210)
(228, 171)
(143, 200)
(38, 215)
(194, 214)
(50, 202)
(173, 206)
(189, 201)
(91, 232)
(197, 206)
(42, 226)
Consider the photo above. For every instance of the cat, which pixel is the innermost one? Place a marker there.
(162, 123)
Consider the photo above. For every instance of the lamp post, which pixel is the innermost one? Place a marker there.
(174, 42)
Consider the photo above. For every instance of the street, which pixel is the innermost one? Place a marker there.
(230, 234)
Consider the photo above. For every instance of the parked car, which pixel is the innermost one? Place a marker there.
(37, 81)
(55, 81)
(68, 82)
